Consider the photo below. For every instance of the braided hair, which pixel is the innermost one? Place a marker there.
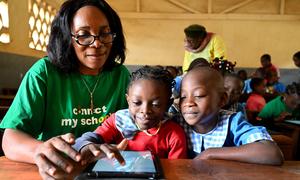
(153, 73)
(222, 65)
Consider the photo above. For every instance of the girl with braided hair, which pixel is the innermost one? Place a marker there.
(143, 126)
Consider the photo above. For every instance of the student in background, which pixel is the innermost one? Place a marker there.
(258, 73)
(266, 65)
(172, 70)
(144, 124)
(233, 87)
(256, 100)
(72, 90)
(286, 106)
(296, 59)
(242, 74)
(200, 43)
(273, 86)
(218, 134)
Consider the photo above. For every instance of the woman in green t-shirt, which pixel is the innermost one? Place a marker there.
(72, 91)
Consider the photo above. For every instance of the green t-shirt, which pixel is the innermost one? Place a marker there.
(275, 107)
(51, 103)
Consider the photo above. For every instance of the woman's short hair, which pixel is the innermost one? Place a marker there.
(195, 31)
(60, 49)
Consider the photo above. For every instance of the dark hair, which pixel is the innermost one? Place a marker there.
(195, 31)
(60, 49)
(236, 76)
(293, 88)
(197, 63)
(170, 68)
(256, 82)
(153, 73)
(297, 55)
(265, 57)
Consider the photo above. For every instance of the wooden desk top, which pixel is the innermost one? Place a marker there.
(182, 169)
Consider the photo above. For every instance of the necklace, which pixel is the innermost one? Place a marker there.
(149, 134)
(91, 92)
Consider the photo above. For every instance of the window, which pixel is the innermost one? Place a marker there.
(4, 22)
(41, 16)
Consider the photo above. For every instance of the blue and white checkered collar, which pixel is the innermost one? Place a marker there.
(213, 139)
(126, 125)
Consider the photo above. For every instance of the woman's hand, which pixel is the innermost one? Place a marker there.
(282, 116)
(55, 158)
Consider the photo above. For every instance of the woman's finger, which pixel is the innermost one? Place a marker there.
(69, 138)
(62, 146)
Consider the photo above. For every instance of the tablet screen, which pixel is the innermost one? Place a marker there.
(293, 121)
(138, 164)
(136, 161)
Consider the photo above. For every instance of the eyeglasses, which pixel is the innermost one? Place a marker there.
(88, 39)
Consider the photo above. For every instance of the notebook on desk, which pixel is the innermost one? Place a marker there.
(293, 121)
(139, 164)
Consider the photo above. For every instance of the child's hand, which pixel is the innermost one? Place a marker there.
(203, 155)
(92, 152)
(122, 145)
(282, 116)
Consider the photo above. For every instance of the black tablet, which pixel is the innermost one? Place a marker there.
(139, 164)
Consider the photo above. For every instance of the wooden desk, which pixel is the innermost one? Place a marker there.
(182, 169)
(292, 130)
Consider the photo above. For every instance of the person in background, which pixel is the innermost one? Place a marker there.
(267, 66)
(200, 43)
(144, 125)
(296, 59)
(256, 100)
(233, 87)
(242, 74)
(283, 107)
(69, 92)
(219, 134)
(172, 70)
(273, 86)
(247, 88)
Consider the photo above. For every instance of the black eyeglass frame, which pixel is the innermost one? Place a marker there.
(76, 36)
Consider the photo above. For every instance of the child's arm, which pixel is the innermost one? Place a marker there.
(262, 152)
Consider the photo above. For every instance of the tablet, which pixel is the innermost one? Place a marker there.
(293, 121)
(139, 164)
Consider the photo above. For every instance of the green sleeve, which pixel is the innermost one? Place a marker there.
(27, 110)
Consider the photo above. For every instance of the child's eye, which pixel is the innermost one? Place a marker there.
(182, 97)
(199, 97)
(136, 103)
(156, 105)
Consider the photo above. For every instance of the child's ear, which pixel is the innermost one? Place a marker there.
(127, 98)
(223, 100)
